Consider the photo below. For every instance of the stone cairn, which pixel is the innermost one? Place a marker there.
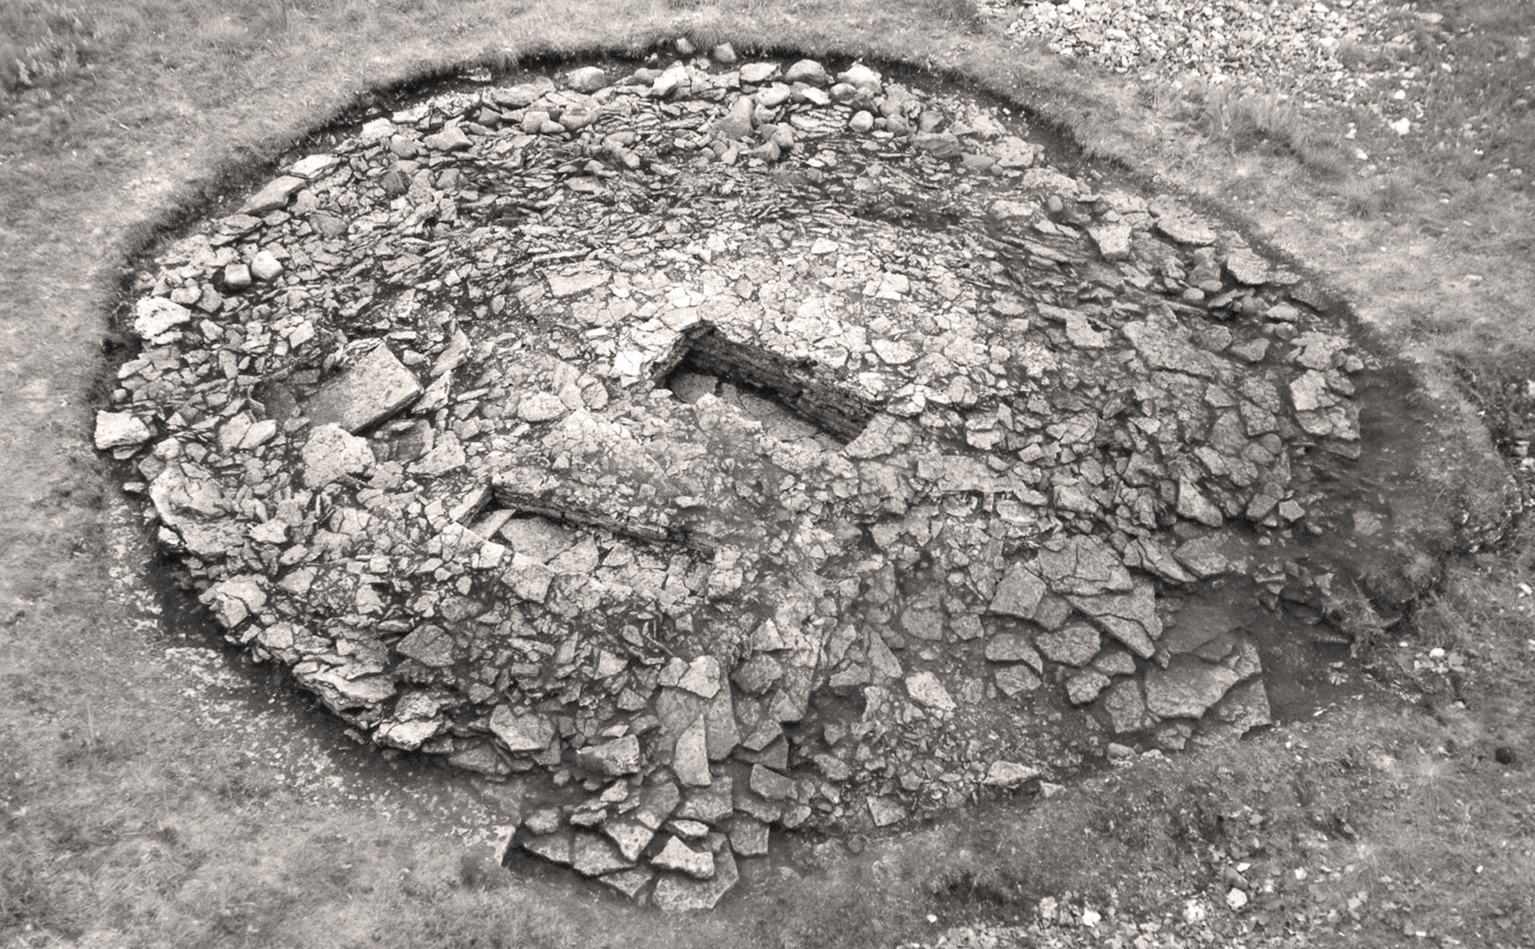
(719, 447)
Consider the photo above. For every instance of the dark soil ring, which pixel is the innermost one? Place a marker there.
(717, 448)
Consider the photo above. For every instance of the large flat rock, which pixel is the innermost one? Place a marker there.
(373, 388)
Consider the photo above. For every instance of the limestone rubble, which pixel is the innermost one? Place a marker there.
(730, 447)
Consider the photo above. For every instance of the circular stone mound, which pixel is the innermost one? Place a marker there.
(720, 449)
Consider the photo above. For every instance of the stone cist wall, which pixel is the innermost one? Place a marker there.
(720, 447)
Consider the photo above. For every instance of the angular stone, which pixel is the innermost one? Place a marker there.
(1113, 240)
(711, 804)
(748, 836)
(374, 387)
(886, 811)
(592, 855)
(1074, 644)
(1184, 228)
(690, 757)
(1084, 565)
(331, 454)
(676, 855)
(676, 894)
(1126, 708)
(1193, 505)
(1130, 617)
(155, 319)
(1187, 687)
(428, 645)
(557, 847)
(273, 197)
(758, 674)
(770, 784)
(570, 284)
(1012, 647)
(629, 882)
(1084, 686)
(521, 731)
(629, 835)
(450, 139)
(925, 689)
(1008, 774)
(1015, 680)
(265, 266)
(613, 758)
(1244, 707)
(120, 430)
(703, 677)
(1019, 593)
(311, 167)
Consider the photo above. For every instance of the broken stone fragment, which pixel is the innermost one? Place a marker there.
(235, 599)
(1125, 706)
(1015, 680)
(1244, 707)
(592, 855)
(676, 855)
(886, 811)
(1012, 647)
(1083, 687)
(1083, 564)
(1019, 593)
(1193, 505)
(1182, 226)
(690, 756)
(569, 284)
(1008, 774)
(737, 123)
(703, 677)
(1130, 617)
(1113, 240)
(629, 835)
(120, 430)
(748, 836)
(557, 847)
(925, 689)
(155, 319)
(679, 894)
(274, 196)
(374, 387)
(770, 784)
(331, 454)
(450, 139)
(1188, 686)
(311, 167)
(342, 693)
(265, 266)
(629, 882)
(613, 758)
(521, 731)
(428, 645)
(1074, 644)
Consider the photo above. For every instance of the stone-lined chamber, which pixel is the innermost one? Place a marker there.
(717, 447)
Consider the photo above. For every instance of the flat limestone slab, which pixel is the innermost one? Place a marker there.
(373, 388)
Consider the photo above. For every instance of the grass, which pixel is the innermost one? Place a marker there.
(126, 817)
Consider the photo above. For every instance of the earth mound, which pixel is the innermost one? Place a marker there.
(724, 447)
